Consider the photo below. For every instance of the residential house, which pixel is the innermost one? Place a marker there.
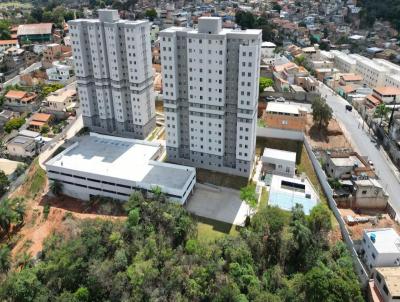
(55, 52)
(380, 248)
(344, 165)
(22, 146)
(59, 72)
(278, 162)
(368, 193)
(20, 101)
(385, 284)
(61, 102)
(285, 116)
(6, 44)
(6, 115)
(35, 33)
(387, 95)
(39, 120)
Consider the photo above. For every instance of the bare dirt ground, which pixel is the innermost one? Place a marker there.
(63, 217)
(356, 231)
(330, 138)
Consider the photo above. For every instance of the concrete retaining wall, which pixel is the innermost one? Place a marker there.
(279, 133)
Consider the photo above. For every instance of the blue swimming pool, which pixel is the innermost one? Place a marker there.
(286, 201)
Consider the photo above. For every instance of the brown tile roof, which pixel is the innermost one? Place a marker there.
(35, 29)
(347, 88)
(7, 42)
(388, 90)
(351, 77)
(37, 123)
(41, 117)
(373, 100)
(15, 94)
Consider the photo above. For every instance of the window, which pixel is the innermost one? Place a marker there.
(385, 289)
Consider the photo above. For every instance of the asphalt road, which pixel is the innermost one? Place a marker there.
(364, 144)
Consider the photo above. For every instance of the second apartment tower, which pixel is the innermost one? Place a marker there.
(114, 74)
(210, 90)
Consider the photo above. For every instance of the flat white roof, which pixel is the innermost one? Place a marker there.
(284, 108)
(121, 158)
(347, 161)
(286, 192)
(386, 240)
(267, 45)
(280, 154)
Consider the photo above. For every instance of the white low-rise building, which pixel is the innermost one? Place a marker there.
(59, 72)
(115, 167)
(381, 247)
(279, 162)
(387, 281)
(372, 72)
(343, 62)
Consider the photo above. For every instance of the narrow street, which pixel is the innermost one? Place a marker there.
(364, 144)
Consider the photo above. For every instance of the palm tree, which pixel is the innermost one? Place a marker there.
(381, 111)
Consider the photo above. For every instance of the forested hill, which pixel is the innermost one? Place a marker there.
(156, 256)
(387, 10)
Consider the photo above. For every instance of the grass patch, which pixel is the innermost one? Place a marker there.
(220, 179)
(209, 230)
(281, 144)
(306, 167)
(15, 4)
(36, 180)
(264, 198)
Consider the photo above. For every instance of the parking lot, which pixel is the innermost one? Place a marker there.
(218, 203)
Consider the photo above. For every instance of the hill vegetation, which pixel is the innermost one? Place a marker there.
(155, 255)
(387, 10)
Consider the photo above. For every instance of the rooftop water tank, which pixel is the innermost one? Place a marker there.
(373, 237)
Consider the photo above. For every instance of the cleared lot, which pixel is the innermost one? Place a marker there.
(218, 203)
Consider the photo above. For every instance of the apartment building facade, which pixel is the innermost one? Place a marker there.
(114, 74)
(210, 89)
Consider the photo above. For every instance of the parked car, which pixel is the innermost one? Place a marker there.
(349, 107)
(269, 99)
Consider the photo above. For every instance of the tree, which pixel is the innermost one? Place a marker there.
(322, 113)
(44, 129)
(5, 258)
(7, 216)
(14, 124)
(300, 60)
(56, 187)
(381, 112)
(248, 195)
(4, 183)
(5, 30)
(151, 14)
(245, 19)
(264, 83)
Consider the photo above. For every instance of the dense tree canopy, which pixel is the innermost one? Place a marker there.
(388, 10)
(155, 255)
(322, 113)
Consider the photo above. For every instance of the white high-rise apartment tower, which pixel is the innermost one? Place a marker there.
(114, 74)
(210, 90)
